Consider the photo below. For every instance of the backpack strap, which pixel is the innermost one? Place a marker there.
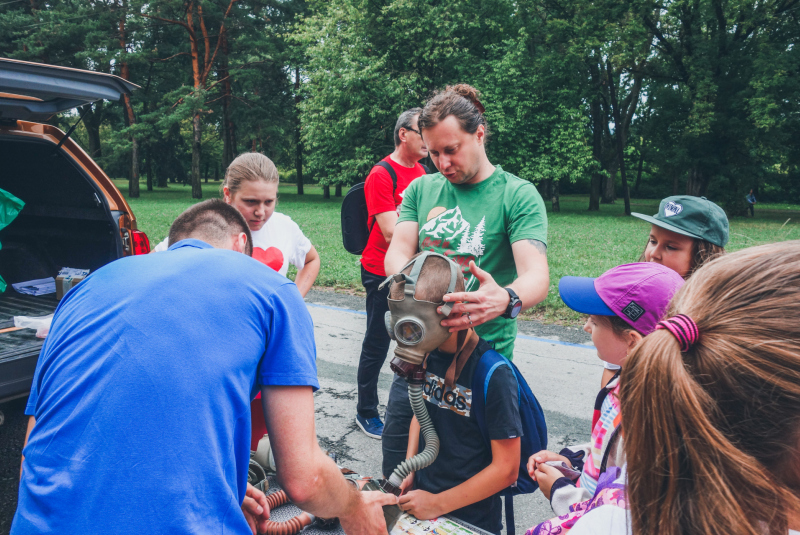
(425, 167)
(487, 364)
(390, 169)
(490, 361)
(508, 505)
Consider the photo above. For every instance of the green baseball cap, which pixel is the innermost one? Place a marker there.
(696, 217)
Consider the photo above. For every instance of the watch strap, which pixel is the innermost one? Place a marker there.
(514, 298)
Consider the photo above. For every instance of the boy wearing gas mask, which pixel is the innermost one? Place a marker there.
(466, 477)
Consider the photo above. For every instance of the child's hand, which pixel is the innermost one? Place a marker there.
(542, 457)
(546, 476)
(407, 484)
(421, 504)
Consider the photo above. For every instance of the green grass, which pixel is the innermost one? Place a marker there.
(581, 243)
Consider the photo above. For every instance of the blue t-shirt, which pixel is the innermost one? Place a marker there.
(142, 393)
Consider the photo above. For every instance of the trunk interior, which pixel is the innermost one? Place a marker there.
(65, 223)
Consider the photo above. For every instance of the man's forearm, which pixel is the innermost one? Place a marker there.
(531, 287)
(533, 280)
(326, 493)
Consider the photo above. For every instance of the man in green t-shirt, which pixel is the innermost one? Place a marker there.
(489, 221)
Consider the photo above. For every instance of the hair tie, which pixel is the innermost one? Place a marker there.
(683, 328)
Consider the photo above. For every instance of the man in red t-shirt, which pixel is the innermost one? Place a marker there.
(383, 204)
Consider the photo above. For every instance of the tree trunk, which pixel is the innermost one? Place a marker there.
(555, 197)
(597, 154)
(228, 139)
(216, 172)
(639, 171)
(619, 131)
(298, 140)
(697, 182)
(547, 188)
(148, 166)
(205, 173)
(608, 192)
(133, 180)
(326, 192)
(92, 120)
(338, 190)
(197, 131)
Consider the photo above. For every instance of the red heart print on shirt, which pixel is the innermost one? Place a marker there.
(273, 257)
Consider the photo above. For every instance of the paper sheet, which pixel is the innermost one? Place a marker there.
(408, 525)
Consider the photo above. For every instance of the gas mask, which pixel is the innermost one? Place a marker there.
(414, 324)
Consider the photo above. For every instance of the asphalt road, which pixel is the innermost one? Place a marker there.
(558, 362)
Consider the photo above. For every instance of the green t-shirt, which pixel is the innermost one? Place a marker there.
(478, 222)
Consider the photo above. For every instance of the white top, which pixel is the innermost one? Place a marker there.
(610, 520)
(278, 243)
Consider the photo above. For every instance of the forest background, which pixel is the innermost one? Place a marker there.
(607, 98)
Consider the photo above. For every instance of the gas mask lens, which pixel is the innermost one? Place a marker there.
(409, 332)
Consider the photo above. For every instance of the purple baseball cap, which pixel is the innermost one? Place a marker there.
(638, 293)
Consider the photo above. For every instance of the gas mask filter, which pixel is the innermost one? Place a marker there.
(415, 324)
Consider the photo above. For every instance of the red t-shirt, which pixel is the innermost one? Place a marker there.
(378, 191)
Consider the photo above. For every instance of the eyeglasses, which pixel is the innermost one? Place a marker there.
(417, 131)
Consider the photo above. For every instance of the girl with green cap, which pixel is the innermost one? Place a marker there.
(686, 232)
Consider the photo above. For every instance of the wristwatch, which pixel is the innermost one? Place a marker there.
(514, 305)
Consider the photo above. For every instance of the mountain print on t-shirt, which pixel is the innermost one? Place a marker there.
(450, 234)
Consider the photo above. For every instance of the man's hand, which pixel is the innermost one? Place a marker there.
(546, 475)
(542, 457)
(421, 504)
(368, 518)
(476, 308)
(255, 509)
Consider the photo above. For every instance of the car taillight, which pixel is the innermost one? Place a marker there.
(139, 241)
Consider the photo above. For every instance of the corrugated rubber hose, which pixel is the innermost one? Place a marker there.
(293, 526)
(276, 499)
(426, 456)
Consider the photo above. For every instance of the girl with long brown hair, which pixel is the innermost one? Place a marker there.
(711, 406)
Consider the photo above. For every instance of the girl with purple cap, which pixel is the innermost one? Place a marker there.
(624, 305)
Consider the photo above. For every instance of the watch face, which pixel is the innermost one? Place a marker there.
(515, 310)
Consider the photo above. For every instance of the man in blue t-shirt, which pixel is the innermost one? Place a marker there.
(140, 404)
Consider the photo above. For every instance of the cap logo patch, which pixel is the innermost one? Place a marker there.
(634, 311)
(672, 208)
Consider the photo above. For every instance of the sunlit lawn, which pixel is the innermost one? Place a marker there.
(580, 243)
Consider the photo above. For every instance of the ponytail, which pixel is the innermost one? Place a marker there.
(712, 433)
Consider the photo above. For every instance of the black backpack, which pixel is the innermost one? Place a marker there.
(355, 217)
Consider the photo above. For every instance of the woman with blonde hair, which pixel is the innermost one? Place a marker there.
(711, 406)
(251, 186)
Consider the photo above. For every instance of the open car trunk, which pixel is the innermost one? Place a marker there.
(66, 222)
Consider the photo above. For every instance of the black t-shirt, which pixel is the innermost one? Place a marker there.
(463, 453)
